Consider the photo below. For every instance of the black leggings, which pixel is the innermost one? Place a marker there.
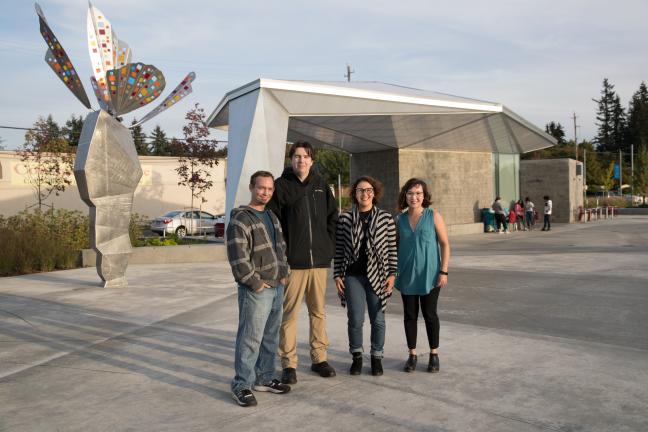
(429, 309)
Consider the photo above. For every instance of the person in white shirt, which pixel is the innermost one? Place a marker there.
(547, 213)
(528, 213)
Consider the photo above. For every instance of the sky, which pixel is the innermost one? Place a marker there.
(543, 60)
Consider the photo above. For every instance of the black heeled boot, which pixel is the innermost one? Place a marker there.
(433, 365)
(410, 364)
(376, 366)
(356, 365)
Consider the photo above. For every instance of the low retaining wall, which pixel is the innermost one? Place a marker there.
(167, 254)
(633, 211)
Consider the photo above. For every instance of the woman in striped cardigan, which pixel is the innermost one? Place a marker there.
(365, 266)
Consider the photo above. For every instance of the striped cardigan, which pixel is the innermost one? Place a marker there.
(381, 247)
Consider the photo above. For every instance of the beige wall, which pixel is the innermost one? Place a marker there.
(157, 193)
(556, 178)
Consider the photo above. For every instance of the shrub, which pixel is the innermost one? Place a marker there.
(42, 241)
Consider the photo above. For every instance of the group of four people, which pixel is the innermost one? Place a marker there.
(280, 246)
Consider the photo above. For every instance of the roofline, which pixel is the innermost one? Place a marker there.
(324, 89)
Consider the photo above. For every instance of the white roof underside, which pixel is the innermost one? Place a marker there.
(371, 116)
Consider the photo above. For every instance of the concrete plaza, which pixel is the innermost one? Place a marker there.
(540, 331)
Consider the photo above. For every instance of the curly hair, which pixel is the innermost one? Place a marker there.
(375, 184)
(409, 184)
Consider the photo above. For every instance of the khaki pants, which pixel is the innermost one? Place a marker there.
(311, 285)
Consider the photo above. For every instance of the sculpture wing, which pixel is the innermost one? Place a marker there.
(100, 46)
(182, 90)
(58, 60)
(143, 84)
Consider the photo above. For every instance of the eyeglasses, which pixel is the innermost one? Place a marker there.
(368, 191)
(414, 194)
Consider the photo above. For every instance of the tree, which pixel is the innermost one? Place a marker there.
(198, 154)
(638, 118)
(48, 162)
(72, 130)
(610, 119)
(1, 146)
(557, 131)
(160, 143)
(139, 139)
(640, 179)
(331, 163)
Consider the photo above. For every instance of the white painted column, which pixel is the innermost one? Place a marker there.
(258, 129)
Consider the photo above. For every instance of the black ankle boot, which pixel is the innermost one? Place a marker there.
(433, 365)
(376, 366)
(356, 366)
(410, 364)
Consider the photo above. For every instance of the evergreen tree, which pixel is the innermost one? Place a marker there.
(638, 118)
(640, 180)
(72, 130)
(331, 163)
(160, 143)
(557, 131)
(139, 139)
(1, 146)
(619, 124)
(604, 118)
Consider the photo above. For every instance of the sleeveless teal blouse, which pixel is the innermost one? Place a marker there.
(419, 260)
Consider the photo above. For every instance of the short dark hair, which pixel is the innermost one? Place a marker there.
(260, 174)
(375, 184)
(302, 144)
(546, 197)
(409, 184)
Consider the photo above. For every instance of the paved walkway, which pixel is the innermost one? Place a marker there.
(540, 331)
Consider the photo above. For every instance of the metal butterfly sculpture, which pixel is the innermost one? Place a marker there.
(119, 85)
(107, 169)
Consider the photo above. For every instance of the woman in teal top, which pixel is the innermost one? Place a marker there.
(423, 256)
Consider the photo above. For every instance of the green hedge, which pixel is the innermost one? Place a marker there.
(42, 241)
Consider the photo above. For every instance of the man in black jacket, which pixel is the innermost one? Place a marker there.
(308, 214)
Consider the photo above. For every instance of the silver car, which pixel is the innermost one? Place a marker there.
(184, 222)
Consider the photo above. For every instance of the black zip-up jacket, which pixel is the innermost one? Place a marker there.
(308, 214)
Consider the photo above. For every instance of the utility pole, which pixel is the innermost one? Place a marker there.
(575, 135)
(632, 175)
(584, 177)
(349, 72)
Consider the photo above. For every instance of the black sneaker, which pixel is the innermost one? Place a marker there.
(273, 386)
(356, 364)
(324, 369)
(245, 398)
(289, 376)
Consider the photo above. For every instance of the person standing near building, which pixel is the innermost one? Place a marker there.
(256, 253)
(308, 214)
(365, 268)
(500, 216)
(528, 213)
(548, 207)
(423, 258)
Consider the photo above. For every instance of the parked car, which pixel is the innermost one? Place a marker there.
(184, 222)
(219, 226)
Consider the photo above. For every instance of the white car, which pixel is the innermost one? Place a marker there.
(185, 222)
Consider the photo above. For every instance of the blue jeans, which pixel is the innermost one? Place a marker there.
(547, 222)
(358, 292)
(257, 338)
(529, 219)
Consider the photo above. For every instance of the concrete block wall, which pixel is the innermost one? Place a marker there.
(460, 183)
(557, 178)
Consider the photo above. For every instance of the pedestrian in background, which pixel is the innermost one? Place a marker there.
(528, 213)
(500, 216)
(548, 207)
